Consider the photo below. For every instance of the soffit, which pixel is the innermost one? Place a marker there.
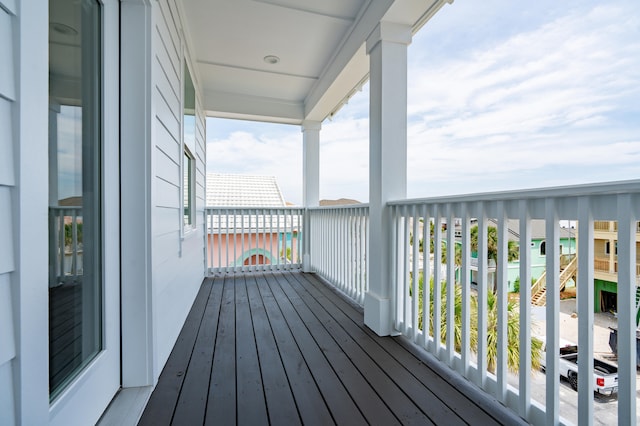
(319, 44)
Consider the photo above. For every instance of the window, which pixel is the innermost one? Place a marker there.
(607, 247)
(543, 248)
(188, 140)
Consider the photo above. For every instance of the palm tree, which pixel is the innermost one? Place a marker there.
(492, 248)
(513, 327)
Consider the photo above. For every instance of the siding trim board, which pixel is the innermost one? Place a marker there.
(152, 154)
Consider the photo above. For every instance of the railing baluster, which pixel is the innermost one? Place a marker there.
(451, 284)
(396, 303)
(437, 281)
(524, 385)
(627, 309)
(483, 287)
(501, 295)
(585, 297)
(406, 282)
(219, 240)
(242, 236)
(415, 299)
(553, 311)
(74, 243)
(426, 275)
(61, 244)
(277, 249)
(465, 282)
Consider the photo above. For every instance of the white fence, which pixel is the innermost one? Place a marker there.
(65, 245)
(454, 307)
(250, 239)
(338, 247)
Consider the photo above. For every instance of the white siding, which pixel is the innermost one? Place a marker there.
(7, 181)
(177, 263)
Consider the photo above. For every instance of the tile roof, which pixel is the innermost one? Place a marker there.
(229, 190)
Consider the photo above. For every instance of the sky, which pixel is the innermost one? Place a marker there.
(501, 95)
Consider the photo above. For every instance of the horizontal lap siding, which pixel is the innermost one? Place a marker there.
(177, 261)
(7, 224)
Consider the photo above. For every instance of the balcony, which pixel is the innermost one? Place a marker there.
(265, 340)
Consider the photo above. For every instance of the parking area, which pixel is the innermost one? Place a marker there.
(605, 406)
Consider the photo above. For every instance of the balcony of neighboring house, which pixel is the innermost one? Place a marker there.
(293, 341)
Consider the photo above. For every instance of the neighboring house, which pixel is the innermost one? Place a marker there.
(537, 253)
(252, 239)
(539, 249)
(338, 202)
(605, 245)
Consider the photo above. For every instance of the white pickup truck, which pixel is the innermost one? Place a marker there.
(605, 375)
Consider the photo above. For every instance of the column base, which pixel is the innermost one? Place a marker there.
(306, 264)
(377, 315)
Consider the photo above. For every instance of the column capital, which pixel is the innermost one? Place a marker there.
(389, 31)
(311, 125)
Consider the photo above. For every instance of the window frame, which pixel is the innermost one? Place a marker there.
(188, 183)
(187, 186)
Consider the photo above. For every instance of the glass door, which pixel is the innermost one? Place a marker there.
(80, 314)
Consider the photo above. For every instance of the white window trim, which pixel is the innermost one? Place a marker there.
(187, 230)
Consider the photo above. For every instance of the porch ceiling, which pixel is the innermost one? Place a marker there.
(320, 46)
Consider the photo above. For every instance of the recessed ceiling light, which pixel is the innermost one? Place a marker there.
(271, 59)
(63, 29)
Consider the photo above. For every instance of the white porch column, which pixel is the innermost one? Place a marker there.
(387, 49)
(310, 180)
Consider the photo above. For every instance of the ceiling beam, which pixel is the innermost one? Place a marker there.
(255, 108)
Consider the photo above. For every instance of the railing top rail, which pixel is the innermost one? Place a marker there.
(340, 207)
(608, 188)
(65, 207)
(285, 208)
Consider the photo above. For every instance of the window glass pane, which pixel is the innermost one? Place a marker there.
(75, 189)
(186, 167)
(189, 138)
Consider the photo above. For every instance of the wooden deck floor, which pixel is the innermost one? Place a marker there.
(284, 349)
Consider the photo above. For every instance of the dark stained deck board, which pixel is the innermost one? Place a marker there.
(338, 399)
(160, 408)
(251, 405)
(477, 406)
(277, 391)
(361, 376)
(412, 402)
(283, 348)
(221, 403)
(192, 401)
(309, 401)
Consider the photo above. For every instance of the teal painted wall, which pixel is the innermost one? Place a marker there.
(598, 286)
(538, 261)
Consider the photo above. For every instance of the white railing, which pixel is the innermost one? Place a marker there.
(65, 245)
(452, 307)
(250, 239)
(338, 247)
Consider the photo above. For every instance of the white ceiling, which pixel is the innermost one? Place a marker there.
(319, 43)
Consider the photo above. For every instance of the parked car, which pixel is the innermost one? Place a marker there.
(605, 375)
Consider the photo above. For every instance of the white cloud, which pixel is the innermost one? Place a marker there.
(344, 159)
(278, 154)
(550, 97)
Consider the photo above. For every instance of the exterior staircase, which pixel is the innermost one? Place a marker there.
(539, 288)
